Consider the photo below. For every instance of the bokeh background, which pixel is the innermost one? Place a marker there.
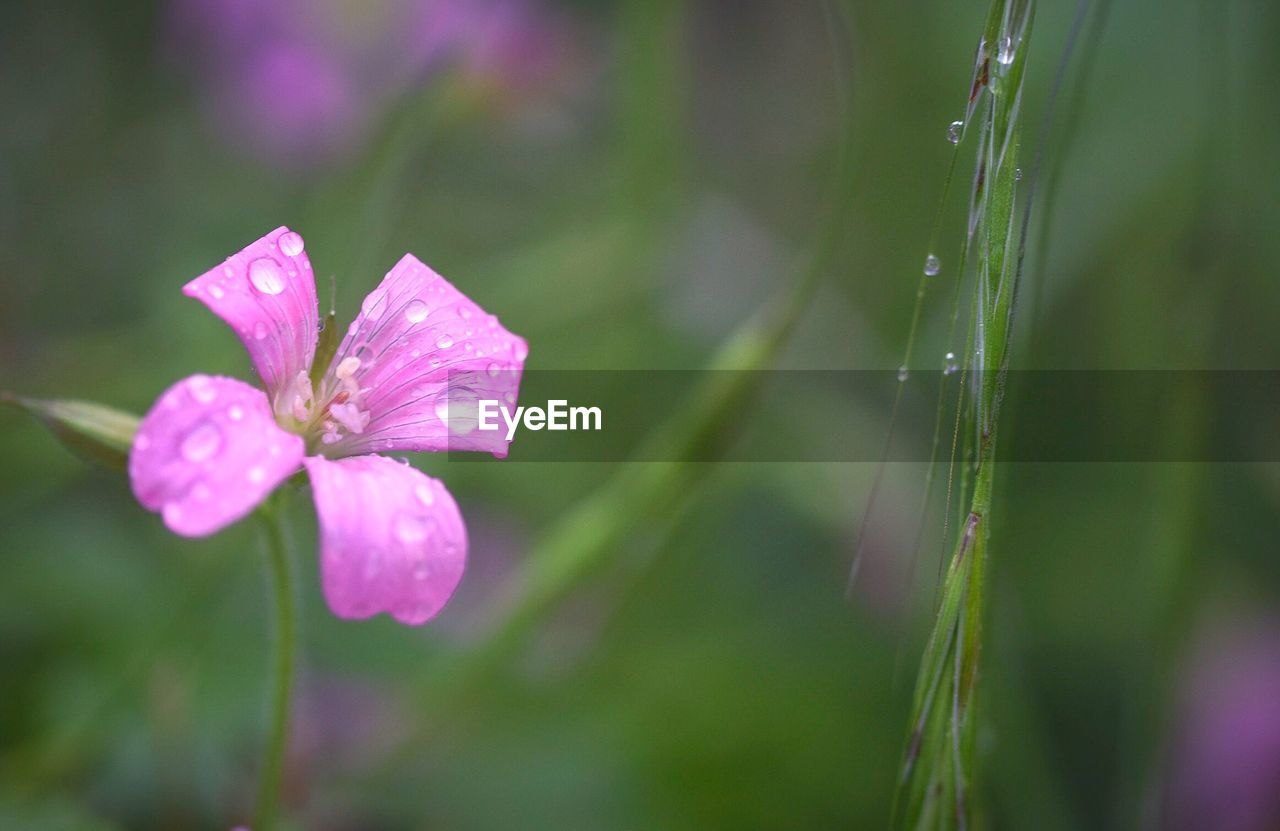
(624, 183)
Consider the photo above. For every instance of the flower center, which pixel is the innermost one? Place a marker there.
(337, 412)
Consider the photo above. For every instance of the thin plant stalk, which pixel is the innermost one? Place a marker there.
(283, 664)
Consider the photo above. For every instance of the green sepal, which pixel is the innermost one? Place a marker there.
(100, 434)
(326, 346)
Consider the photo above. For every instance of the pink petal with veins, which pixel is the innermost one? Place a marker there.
(426, 355)
(208, 452)
(267, 294)
(391, 538)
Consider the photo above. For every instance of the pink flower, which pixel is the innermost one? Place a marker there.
(302, 83)
(405, 377)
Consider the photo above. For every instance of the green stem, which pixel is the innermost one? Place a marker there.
(282, 669)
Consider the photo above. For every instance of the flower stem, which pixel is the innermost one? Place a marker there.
(282, 665)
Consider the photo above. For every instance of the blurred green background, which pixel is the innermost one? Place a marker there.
(624, 183)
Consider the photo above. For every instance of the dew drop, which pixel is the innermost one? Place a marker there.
(460, 419)
(522, 350)
(494, 369)
(444, 342)
(202, 389)
(932, 265)
(235, 413)
(464, 312)
(201, 443)
(424, 494)
(953, 131)
(291, 243)
(373, 305)
(1005, 53)
(257, 474)
(266, 276)
(216, 292)
(416, 311)
(141, 442)
(950, 364)
(902, 373)
(260, 330)
(410, 528)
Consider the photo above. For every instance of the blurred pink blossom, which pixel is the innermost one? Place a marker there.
(300, 83)
(1225, 761)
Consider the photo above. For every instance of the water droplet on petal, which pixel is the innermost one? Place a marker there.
(444, 342)
(410, 528)
(291, 243)
(522, 350)
(229, 270)
(260, 330)
(202, 442)
(235, 413)
(953, 131)
(950, 364)
(216, 292)
(266, 276)
(202, 389)
(257, 474)
(494, 369)
(374, 304)
(464, 312)
(141, 442)
(416, 311)
(932, 265)
(421, 571)
(424, 494)
(902, 373)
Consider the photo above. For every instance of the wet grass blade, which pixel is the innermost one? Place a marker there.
(938, 766)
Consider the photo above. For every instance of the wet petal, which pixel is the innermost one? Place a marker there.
(208, 452)
(425, 353)
(267, 294)
(391, 538)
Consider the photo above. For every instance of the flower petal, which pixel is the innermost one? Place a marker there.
(391, 538)
(425, 353)
(267, 294)
(208, 452)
